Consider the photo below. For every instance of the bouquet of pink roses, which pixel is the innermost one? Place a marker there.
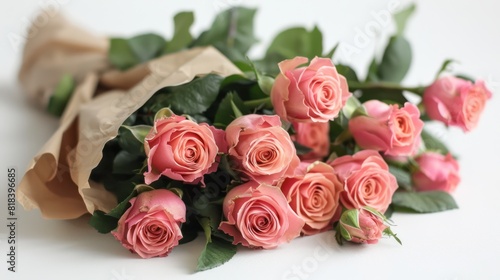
(163, 139)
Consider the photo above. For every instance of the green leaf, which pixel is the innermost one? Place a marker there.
(444, 67)
(347, 72)
(62, 94)
(205, 224)
(433, 143)
(396, 60)
(351, 217)
(390, 210)
(131, 138)
(226, 166)
(182, 37)
(390, 233)
(265, 82)
(121, 55)
(127, 163)
(146, 46)
(351, 106)
(344, 136)
(297, 41)
(331, 53)
(102, 222)
(189, 232)
(402, 176)
(121, 185)
(118, 211)
(372, 71)
(343, 233)
(316, 44)
(226, 112)
(215, 254)
(163, 113)
(401, 18)
(424, 202)
(384, 95)
(231, 33)
(465, 77)
(237, 112)
(192, 98)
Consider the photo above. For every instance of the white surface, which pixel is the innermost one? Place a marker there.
(460, 244)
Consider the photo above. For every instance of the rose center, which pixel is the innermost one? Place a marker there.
(403, 128)
(265, 157)
(474, 106)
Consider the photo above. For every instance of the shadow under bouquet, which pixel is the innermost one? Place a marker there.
(163, 139)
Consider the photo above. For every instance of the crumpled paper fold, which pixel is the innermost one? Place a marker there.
(57, 180)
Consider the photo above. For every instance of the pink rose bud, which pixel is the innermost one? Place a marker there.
(436, 172)
(367, 180)
(314, 93)
(361, 226)
(456, 102)
(259, 216)
(314, 136)
(151, 226)
(314, 196)
(182, 149)
(261, 149)
(388, 128)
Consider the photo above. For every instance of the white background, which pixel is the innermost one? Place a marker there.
(459, 244)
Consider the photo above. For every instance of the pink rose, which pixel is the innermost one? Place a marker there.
(261, 149)
(151, 226)
(367, 180)
(182, 149)
(436, 172)
(314, 196)
(315, 93)
(455, 101)
(314, 136)
(361, 226)
(259, 216)
(388, 128)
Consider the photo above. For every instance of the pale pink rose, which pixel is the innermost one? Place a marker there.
(182, 150)
(436, 172)
(456, 101)
(367, 180)
(314, 136)
(388, 128)
(314, 196)
(361, 226)
(314, 93)
(261, 149)
(258, 216)
(151, 226)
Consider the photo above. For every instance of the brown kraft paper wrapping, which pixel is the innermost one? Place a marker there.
(57, 48)
(57, 180)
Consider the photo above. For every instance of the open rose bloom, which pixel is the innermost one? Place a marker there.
(367, 180)
(151, 226)
(314, 93)
(456, 101)
(259, 216)
(436, 172)
(182, 149)
(388, 128)
(261, 149)
(314, 196)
